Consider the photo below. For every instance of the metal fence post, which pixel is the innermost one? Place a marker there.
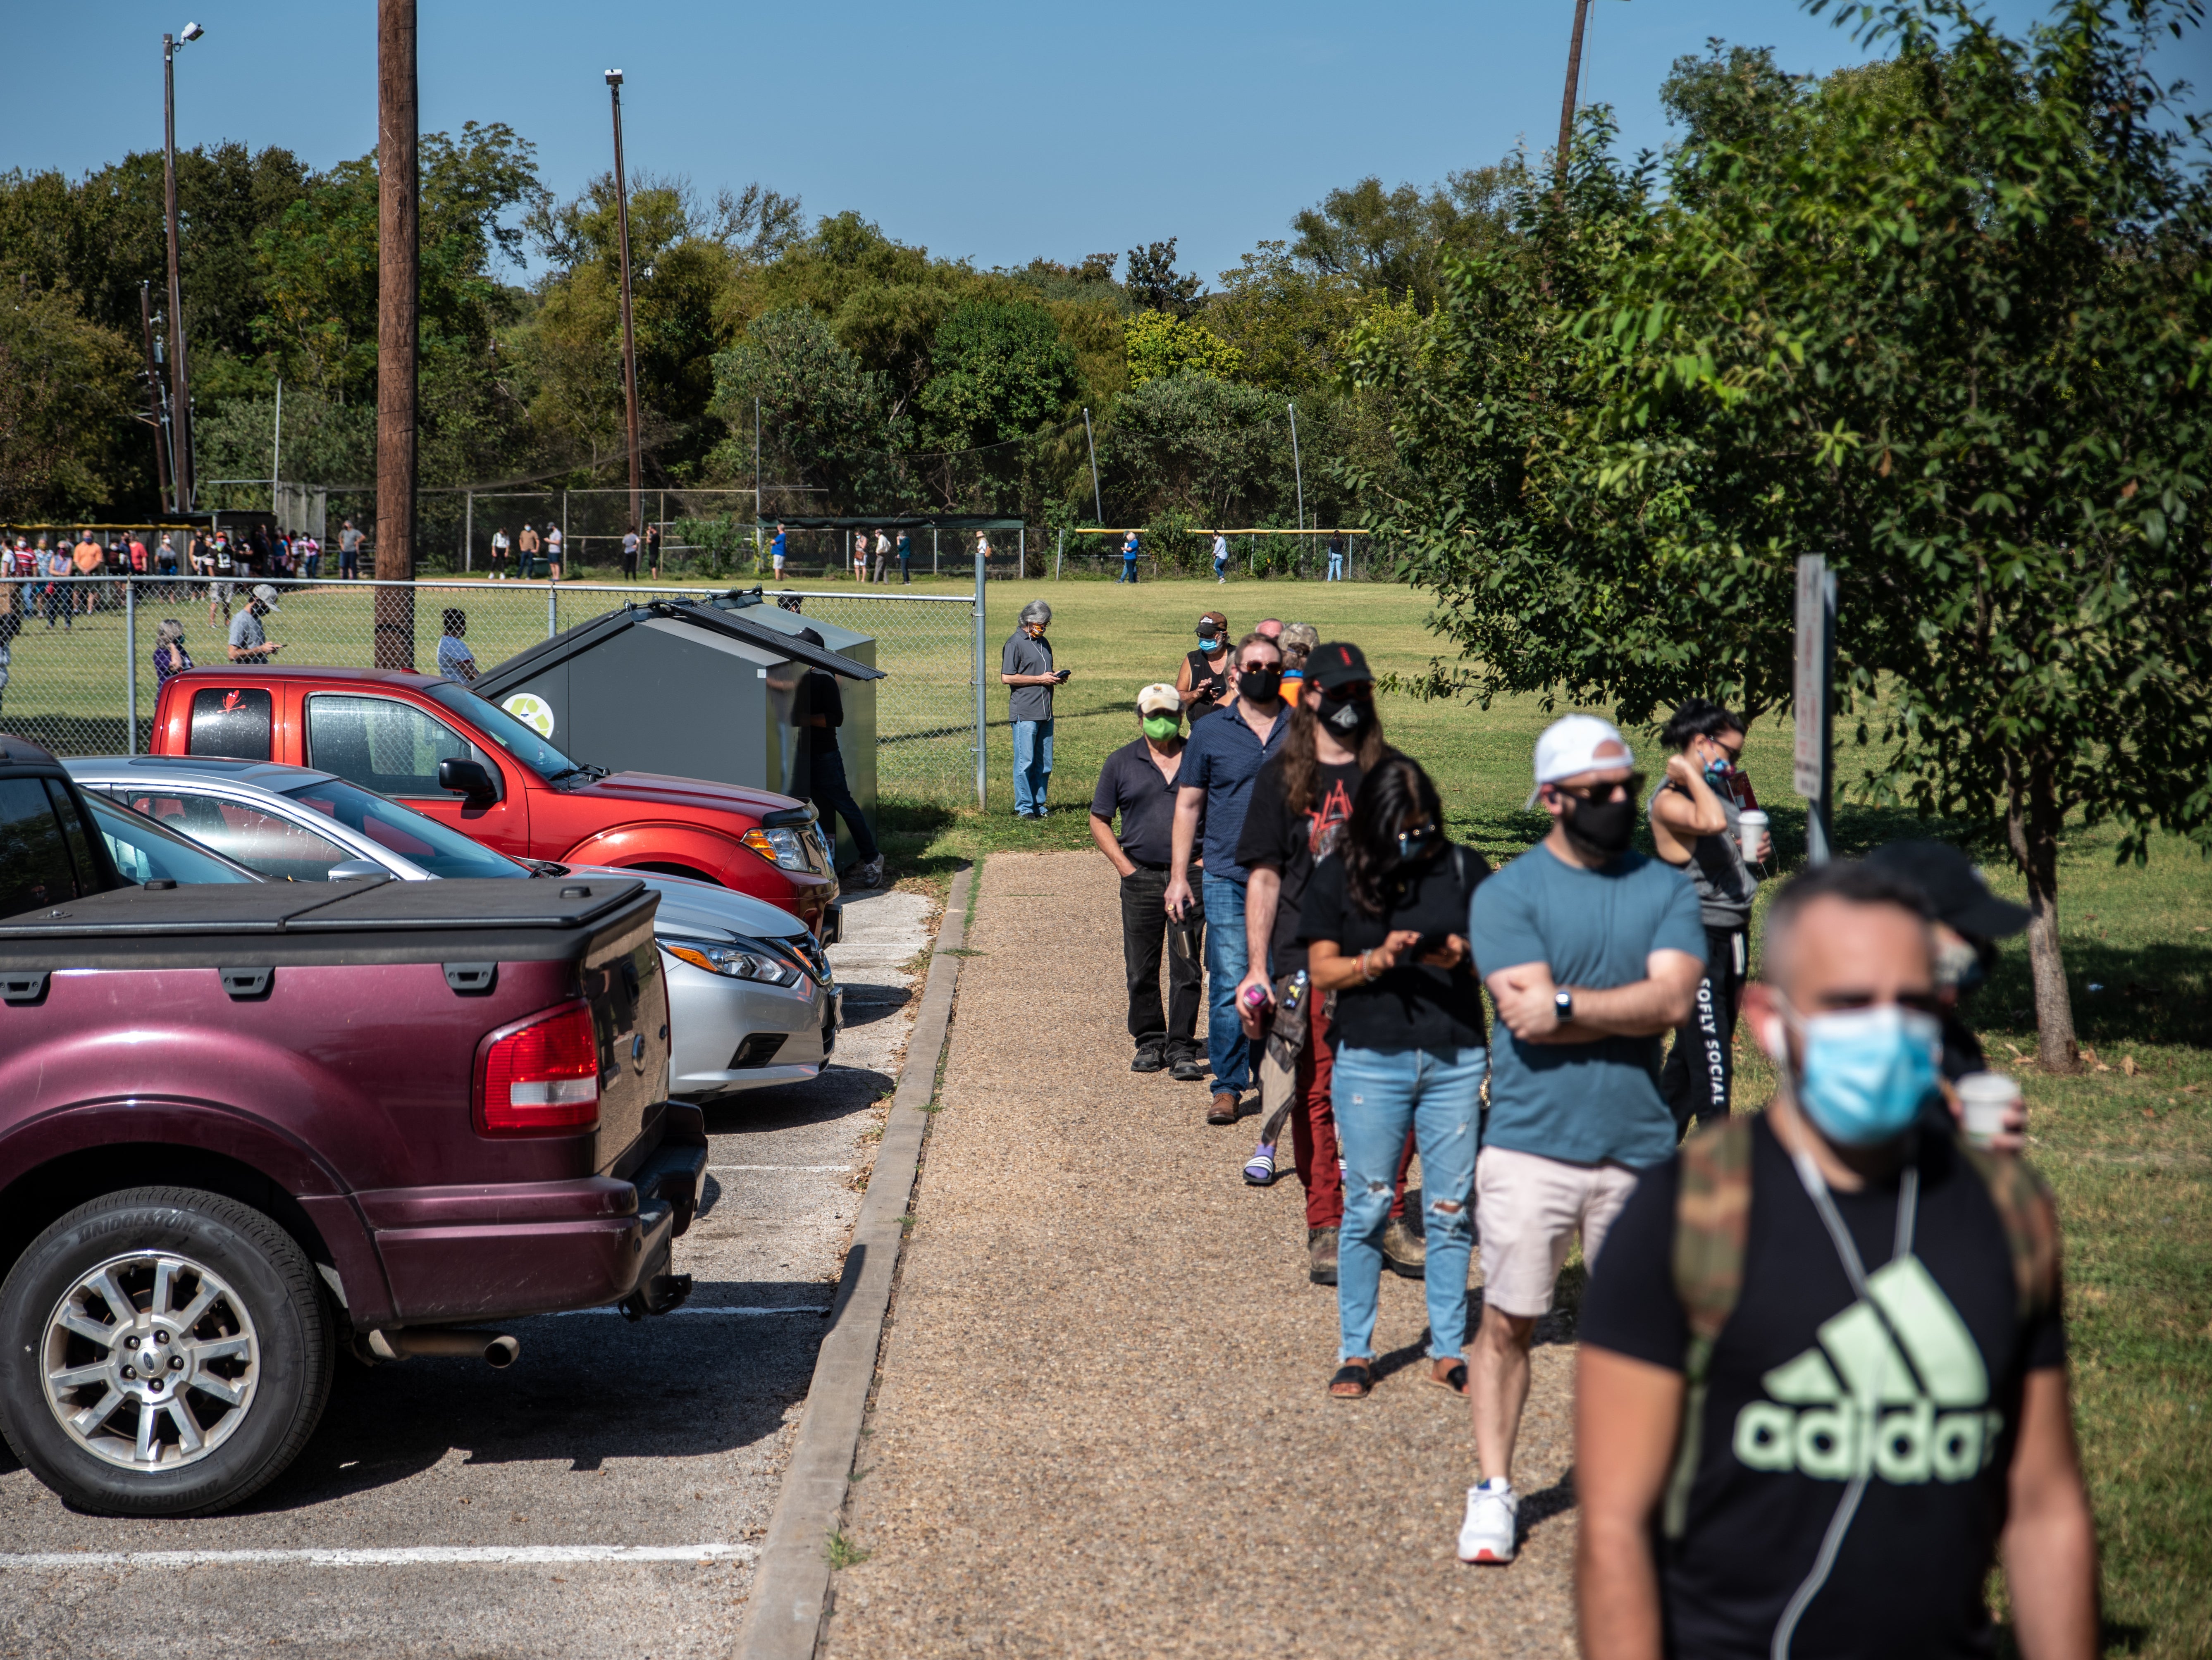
(980, 647)
(1060, 555)
(552, 608)
(1022, 552)
(131, 655)
(468, 534)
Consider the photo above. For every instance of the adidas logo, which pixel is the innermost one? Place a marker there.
(1853, 1405)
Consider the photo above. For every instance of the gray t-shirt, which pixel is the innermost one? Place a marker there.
(1582, 1102)
(1724, 883)
(1023, 655)
(246, 631)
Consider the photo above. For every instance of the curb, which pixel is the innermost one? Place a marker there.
(791, 1587)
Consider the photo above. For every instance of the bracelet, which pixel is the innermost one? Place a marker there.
(1367, 975)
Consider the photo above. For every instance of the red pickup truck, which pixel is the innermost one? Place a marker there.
(242, 1126)
(447, 752)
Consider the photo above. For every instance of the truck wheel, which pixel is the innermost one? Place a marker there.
(163, 1351)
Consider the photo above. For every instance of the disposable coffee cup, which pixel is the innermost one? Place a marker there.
(1750, 826)
(1985, 1101)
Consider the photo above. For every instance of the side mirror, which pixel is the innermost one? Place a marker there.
(469, 780)
(353, 870)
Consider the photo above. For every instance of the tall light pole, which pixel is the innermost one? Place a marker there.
(398, 279)
(180, 399)
(629, 334)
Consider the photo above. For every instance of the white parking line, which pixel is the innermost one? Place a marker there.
(810, 1308)
(410, 1556)
(711, 1168)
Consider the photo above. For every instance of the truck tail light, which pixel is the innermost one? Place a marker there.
(543, 1078)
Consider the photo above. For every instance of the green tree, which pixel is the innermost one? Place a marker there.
(64, 383)
(825, 420)
(1159, 345)
(1154, 284)
(1394, 242)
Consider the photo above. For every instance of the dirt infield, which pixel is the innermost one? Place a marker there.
(1100, 1425)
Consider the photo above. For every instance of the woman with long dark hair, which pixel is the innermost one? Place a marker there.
(1385, 924)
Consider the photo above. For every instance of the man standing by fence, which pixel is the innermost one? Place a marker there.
(1026, 665)
(1128, 559)
(350, 550)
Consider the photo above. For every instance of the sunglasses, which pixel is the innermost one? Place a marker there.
(1634, 785)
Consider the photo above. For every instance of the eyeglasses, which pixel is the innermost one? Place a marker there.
(1633, 784)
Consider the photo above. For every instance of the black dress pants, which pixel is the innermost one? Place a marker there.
(833, 800)
(1699, 1075)
(1145, 926)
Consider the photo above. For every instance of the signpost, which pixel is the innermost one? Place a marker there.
(1816, 658)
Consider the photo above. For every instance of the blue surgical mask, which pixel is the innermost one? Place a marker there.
(1717, 773)
(1866, 1073)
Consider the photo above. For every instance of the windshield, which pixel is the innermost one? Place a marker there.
(412, 835)
(520, 741)
(145, 852)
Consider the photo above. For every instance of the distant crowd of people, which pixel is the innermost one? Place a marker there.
(1821, 1369)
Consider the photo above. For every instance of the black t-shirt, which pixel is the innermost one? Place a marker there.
(1780, 1430)
(1130, 785)
(1209, 678)
(820, 694)
(1291, 842)
(1412, 1007)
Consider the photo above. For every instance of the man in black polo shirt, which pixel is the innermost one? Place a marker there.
(1138, 782)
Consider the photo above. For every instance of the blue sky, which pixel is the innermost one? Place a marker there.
(993, 130)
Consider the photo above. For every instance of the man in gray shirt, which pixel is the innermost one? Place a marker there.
(248, 642)
(1026, 665)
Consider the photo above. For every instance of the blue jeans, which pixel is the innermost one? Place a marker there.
(1129, 571)
(1376, 1098)
(1032, 767)
(1335, 569)
(1226, 1047)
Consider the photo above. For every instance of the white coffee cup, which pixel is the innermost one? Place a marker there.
(1751, 830)
(1986, 1100)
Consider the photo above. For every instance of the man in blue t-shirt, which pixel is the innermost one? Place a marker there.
(1591, 952)
(1215, 787)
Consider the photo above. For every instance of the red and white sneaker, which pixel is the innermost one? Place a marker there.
(1493, 1513)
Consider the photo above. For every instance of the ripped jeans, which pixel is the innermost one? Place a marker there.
(1378, 1097)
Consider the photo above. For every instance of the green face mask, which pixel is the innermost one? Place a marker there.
(1161, 727)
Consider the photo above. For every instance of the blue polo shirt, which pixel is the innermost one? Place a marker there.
(1222, 757)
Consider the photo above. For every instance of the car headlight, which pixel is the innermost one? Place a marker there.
(783, 846)
(739, 959)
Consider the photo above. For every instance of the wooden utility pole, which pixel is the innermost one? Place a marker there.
(157, 401)
(629, 335)
(1574, 83)
(180, 383)
(398, 288)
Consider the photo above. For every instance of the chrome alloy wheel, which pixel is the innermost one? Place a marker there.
(150, 1361)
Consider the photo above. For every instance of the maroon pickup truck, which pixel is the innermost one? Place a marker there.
(243, 1126)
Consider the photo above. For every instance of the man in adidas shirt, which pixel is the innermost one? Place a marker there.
(1822, 1380)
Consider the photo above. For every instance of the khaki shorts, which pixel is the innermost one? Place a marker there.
(1527, 1210)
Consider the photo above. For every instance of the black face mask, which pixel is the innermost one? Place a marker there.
(1599, 829)
(1346, 718)
(1259, 685)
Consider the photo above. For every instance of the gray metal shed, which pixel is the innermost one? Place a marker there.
(695, 691)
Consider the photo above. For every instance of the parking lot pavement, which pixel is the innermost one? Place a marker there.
(603, 1495)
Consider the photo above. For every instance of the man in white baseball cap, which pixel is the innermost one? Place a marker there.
(248, 641)
(1138, 785)
(1590, 950)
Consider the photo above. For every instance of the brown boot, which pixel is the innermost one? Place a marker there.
(1405, 1251)
(1224, 1110)
(1321, 1256)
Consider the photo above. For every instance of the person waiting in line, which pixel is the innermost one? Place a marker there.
(653, 548)
(1025, 666)
(1821, 1385)
(1300, 802)
(249, 642)
(883, 553)
(776, 552)
(906, 558)
(1298, 641)
(1129, 552)
(1219, 763)
(556, 542)
(1202, 681)
(1590, 951)
(860, 556)
(60, 572)
(822, 712)
(1382, 921)
(1137, 784)
(630, 543)
(1696, 827)
(170, 657)
(455, 660)
(526, 547)
(89, 558)
(500, 546)
(11, 624)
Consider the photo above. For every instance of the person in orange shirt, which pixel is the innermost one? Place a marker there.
(88, 556)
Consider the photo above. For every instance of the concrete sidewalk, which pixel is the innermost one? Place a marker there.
(1101, 1426)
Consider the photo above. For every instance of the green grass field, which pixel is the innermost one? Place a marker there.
(2130, 1153)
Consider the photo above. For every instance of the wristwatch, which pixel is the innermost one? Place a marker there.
(1564, 1001)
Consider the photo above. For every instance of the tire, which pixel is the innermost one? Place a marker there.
(235, 1392)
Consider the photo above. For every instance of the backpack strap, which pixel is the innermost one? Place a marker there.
(1712, 1216)
(2025, 1206)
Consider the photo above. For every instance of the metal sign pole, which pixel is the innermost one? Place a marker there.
(1814, 757)
(980, 647)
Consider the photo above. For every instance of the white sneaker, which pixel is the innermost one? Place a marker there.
(1493, 1511)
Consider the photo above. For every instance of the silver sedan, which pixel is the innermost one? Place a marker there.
(752, 1001)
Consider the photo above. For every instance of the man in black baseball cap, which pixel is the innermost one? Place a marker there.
(1969, 921)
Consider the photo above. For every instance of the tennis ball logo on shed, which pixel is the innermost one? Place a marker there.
(533, 711)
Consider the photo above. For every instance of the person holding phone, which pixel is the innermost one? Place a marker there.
(1383, 920)
(1026, 667)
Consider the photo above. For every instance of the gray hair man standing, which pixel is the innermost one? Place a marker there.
(1026, 667)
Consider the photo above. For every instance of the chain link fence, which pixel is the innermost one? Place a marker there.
(79, 671)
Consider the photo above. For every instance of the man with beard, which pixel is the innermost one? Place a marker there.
(1591, 952)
